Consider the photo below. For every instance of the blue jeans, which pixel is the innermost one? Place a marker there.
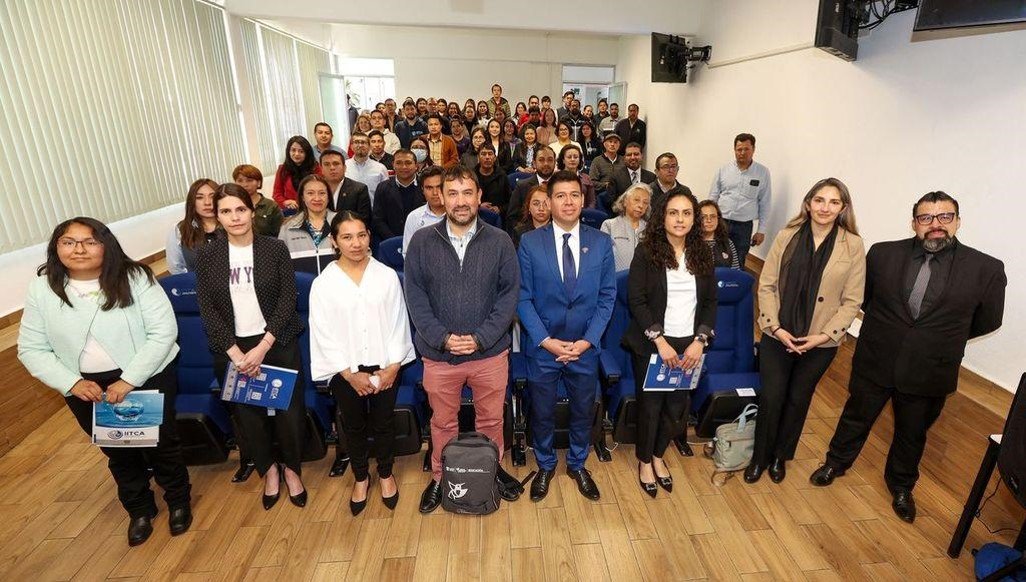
(741, 235)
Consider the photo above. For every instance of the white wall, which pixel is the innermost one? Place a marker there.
(461, 63)
(904, 119)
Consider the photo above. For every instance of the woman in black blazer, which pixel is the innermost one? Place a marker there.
(247, 296)
(671, 290)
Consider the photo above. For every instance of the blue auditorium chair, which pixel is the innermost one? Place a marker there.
(390, 252)
(593, 217)
(490, 217)
(318, 404)
(203, 420)
(516, 177)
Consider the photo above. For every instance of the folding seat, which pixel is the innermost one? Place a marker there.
(617, 370)
(490, 217)
(516, 177)
(390, 252)
(593, 217)
(203, 421)
(319, 414)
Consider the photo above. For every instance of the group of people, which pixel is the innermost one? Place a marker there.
(96, 325)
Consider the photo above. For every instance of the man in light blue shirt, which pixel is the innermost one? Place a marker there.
(430, 213)
(742, 191)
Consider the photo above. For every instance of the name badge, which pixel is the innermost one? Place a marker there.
(754, 183)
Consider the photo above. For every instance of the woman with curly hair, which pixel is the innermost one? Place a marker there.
(671, 290)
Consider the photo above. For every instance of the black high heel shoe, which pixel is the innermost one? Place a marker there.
(356, 507)
(665, 482)
(270, 500)
(649, 488)
(299, 500)
(391, 502)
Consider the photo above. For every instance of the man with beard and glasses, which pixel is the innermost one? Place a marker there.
(544, 165)
(462, 284)
(925, 298)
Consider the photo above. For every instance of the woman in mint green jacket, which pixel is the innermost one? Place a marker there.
(96, 326)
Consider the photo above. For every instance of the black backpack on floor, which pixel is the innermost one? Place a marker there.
(469, 465)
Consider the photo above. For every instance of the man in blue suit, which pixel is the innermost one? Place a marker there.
(567, 291)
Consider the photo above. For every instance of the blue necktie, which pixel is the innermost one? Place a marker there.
(569, 269)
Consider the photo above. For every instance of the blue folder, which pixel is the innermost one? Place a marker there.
(271, 389)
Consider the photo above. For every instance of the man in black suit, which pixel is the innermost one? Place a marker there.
(631, 129)
(665, 184)
(544, 165)
(397, 197)
(925, 298)
(344, 194)
(629, 174)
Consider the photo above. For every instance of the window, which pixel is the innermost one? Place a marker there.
(368, 81)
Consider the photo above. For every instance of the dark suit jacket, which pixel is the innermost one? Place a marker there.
(628, 134)
(646, 296)
(354, 197)
(273, 279)
(516, 202)
(923, 356)
(391, 207)
(622, 179)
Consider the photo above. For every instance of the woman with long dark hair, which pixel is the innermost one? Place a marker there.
(470, 119)
(97, 326)
(523, 155)
(356, 293)
(246, 289)
(503, 151)
(810, 290)
(714, 233)
(590, 144)
(299, 163)
(478, 137)
(671, 291)
(571, 159)
(509, 130)
(536, 213)
(197, 228)
(308, 233)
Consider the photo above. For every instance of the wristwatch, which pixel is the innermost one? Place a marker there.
(653, 334)
(702, 339)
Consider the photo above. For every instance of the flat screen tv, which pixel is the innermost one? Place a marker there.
(945, 14)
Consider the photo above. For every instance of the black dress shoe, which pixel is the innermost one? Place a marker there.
(338, 466)
(540, 484)
(753, 472)
(648, 488)
(139, 529)
(180, 520)
(509, 488)
(825, 475)
(585, 484)
(665, 482)
(904, 504)
(431, 498)
(246, 469)
(777, 470)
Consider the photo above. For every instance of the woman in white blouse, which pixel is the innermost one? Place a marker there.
(359, 338)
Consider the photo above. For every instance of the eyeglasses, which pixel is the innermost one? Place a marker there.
(943, 218)
(710, 217)
(70, 243)
(670, 167)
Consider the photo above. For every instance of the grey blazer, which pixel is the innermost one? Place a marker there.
(624, 239)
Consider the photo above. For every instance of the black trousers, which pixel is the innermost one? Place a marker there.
(364, 417)
(660, 414)
(130, 466)
(259, 431)
(913, 417)
(788, 383)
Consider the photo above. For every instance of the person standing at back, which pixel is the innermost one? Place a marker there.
(742, 190)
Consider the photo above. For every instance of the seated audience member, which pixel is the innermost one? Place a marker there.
(523, 154)
(588, 113)
(197, 228)
(671, 290)
(397, 197)
(534, 117)
(498, 102)
(361, 367)
(377, 150)
(470, 119)
(246, 289)
(810, 290)
(461, 281)
(631, 172)
(520, 113)
(391, 139)
(503, 151)
(666, 178)
(419, 147)
(452, 110)
(608, 123)
(306, 234)
(410, 126)
(591, 145)
(743, 189)
(433, 209)
(631, 129)
(441, 147)
(495, 190)
(714, 233)
(95, 327)
(363, 169)
(459, 134)
(603, 167)
(544, 165)
(509, 133)
(344, 193)
(546, 103)
(626, 227)
(299, 163)
(363, 125)
(323, 136)
(547, 127)
(441, 106)
(424, 107)
(267, 215)
(532, 103)
(569, 159)
(500, 116)
(391, 114)
(483, 113)
(477, 139)
(574, 120)
(562, 138)
(535, 213)
(564, 312)
(603, 110)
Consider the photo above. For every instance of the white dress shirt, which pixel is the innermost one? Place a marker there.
(575, 245)
(417, 220)
(681, 301)
(369, 172)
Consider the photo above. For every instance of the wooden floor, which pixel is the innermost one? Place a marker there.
(60, 519)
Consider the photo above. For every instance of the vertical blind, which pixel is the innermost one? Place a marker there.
(110, 108)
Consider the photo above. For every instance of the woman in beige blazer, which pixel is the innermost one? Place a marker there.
(809, 292)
